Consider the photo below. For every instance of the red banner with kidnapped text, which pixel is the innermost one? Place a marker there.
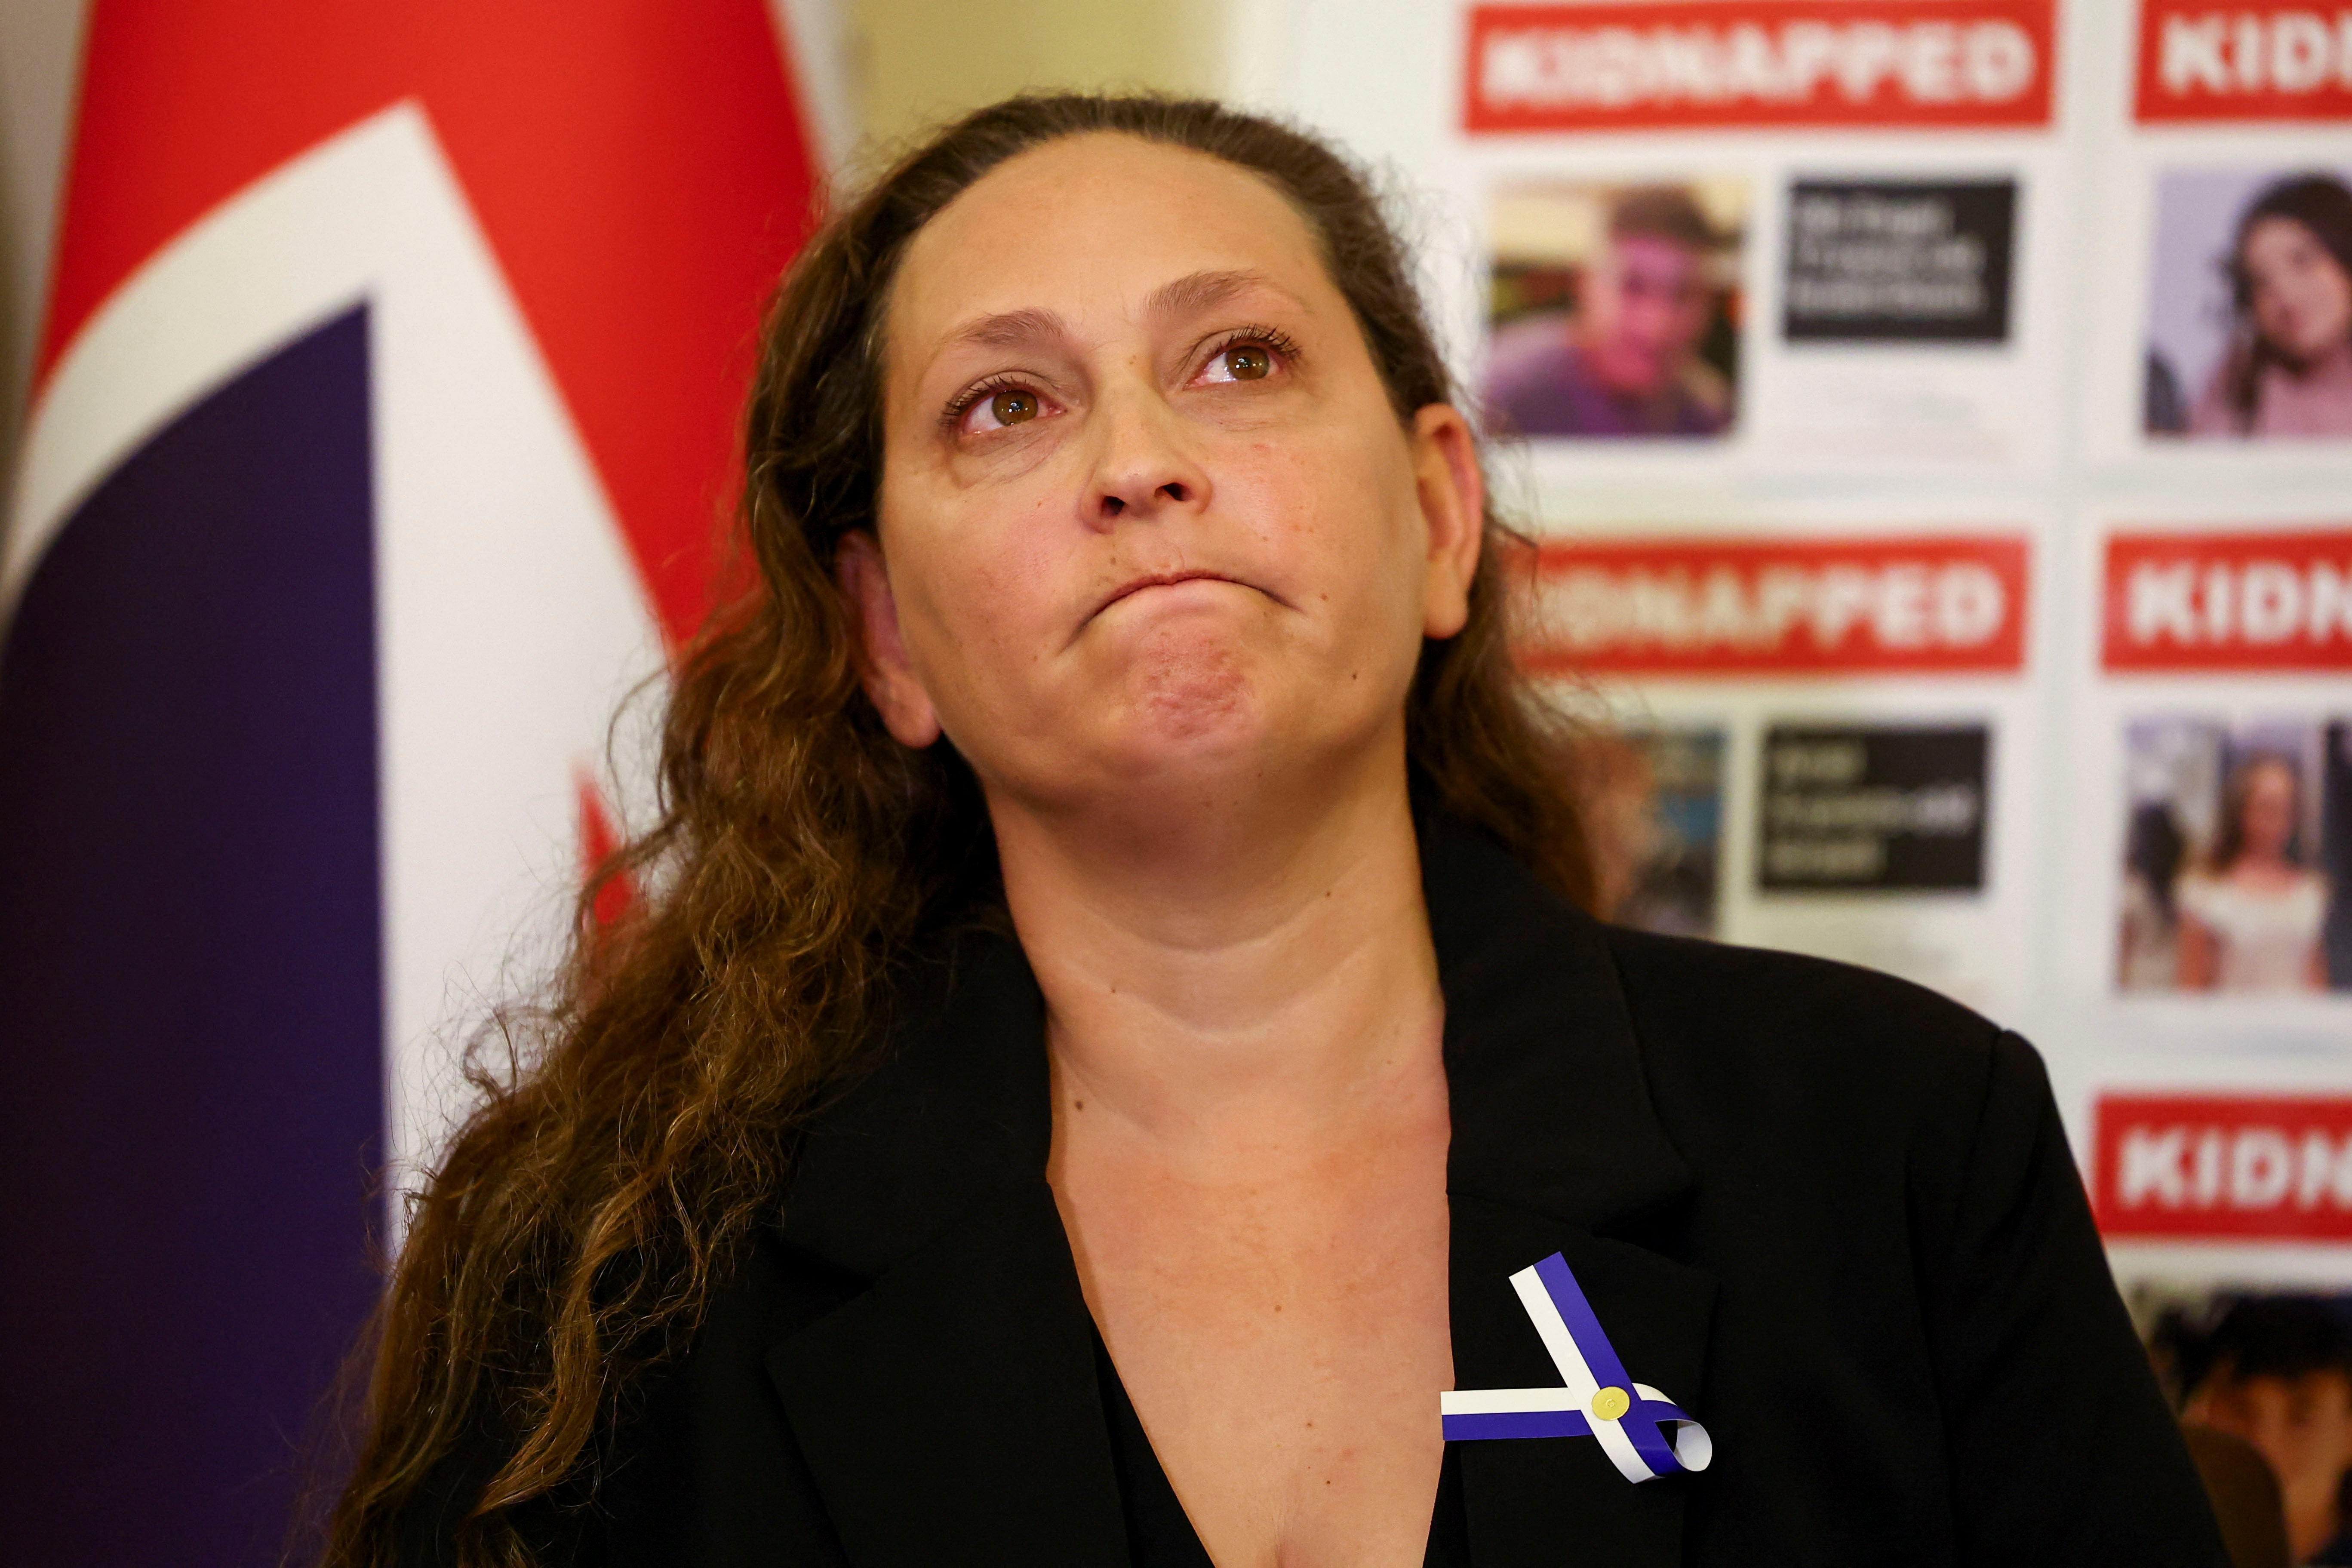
(2211, 1167)
(2226, 600)
(1731, 607)
(2200, 61)
(1684, 63)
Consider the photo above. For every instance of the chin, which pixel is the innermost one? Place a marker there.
(1203, 706)
(1194, 715)
(1196, 702)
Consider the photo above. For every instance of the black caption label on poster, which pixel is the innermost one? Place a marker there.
(1872, 809)
(1899, 261)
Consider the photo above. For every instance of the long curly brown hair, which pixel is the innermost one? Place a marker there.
(627, 1145)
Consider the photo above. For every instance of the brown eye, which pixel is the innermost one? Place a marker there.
(1248, 363)
(1012, 407)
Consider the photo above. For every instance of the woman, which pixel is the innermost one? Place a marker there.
(1113, 1013)
(2288, 371)
(2251, 920)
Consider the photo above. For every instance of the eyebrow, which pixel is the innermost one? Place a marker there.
(1183, 296)
(1206, 291)
(1013, 328)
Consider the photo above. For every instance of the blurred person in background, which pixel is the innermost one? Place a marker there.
(2277, 1373)
(2250, 917)
(1115, 1006)
(1618, 795)
(2154, 851)
(2288, 369)
(1626, 360)
(1647, 873)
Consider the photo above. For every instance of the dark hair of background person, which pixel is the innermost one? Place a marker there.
(1661, 212)
(2229, 832)
(2322, 205)
(2156, 848)
(2285, 1337)
(634, 1130)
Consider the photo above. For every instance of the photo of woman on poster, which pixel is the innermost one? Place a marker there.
(2250, 917)
(1615, 310)
(2233, 854)
(2278, 299)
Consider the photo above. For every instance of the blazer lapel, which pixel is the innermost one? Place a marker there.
(1556, 1146)
(949, 1413)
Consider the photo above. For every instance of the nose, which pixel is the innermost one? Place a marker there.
(1142, 467)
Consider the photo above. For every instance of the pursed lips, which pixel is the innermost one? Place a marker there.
(1162, 580)
(1166, 580)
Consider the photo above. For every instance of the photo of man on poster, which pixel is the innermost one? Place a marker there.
(1614, 312)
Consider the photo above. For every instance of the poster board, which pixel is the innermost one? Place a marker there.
(1969, 295)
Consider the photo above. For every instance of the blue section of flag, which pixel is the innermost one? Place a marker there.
(190, 994)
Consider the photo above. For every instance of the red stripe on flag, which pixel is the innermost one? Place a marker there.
(600, 841)
(639, 165)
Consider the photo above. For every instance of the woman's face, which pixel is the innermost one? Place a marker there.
(2302, 297)
(1148, 518)
(2267, 816)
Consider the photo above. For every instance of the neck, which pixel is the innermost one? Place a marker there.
(1234, 978)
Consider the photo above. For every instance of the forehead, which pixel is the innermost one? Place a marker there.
(1095, 222)
(2269, 771)
(2276, 231)
(1653, 251)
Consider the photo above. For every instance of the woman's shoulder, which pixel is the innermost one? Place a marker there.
(2226, 897)
(2196, 890)
(1835, 1048)
(1817, 1101)
(1793, 1001)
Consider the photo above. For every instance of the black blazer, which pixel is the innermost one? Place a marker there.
(1831, 1215)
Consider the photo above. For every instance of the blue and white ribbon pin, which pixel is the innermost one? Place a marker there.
(1631, 1419)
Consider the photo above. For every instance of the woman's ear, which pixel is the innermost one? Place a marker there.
(882, 665)
(1454, 508)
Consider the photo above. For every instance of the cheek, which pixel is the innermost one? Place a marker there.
(1346, 534)
(2332, 294)
(973, 588)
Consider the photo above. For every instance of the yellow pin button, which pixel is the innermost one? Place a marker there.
(1612, 1403)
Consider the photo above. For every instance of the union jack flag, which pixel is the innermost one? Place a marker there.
(385, 412)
